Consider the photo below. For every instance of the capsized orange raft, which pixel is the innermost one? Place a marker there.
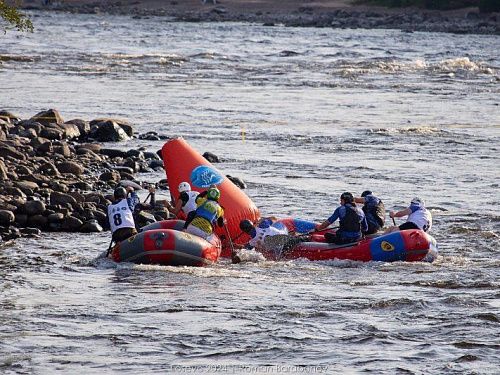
(167, 245)
(183, 163)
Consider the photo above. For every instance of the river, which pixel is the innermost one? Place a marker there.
(301, 114)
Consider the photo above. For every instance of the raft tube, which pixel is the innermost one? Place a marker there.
(167, 246)
(408, 245)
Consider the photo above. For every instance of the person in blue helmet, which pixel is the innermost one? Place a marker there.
(419, 217)
(374, 210)
(352, 222)
(201, 222)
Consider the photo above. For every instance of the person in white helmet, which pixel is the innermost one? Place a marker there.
(419, 217)
(186, 202)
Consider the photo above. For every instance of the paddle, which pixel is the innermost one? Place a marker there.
(234, 257)
(109, 248)
(282, 242)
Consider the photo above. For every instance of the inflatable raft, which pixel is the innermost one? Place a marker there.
(408, 245)
(164, 243)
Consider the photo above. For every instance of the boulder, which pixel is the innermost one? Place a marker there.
(112, 153)
(85, 186)
(52, 133)
(71, 131)
(9, 116)
(6, 218)
(237, 181)
(21, 219)
(212, 158)
(71, 224)
(27, 187)
(156, 165)
(3, 171)
(82, 125)
(34, 207)
(91, 226)
(63, 149)
(110, 176)
(55, 217)
(8, 151)
(107, 131)
(23, 170)
(50, 116)
(70, 167)
(45, 148)
(37, 221)
(125, 125)
(62, 199)
(94, 147)
(49, 169)
(30, 124)
(31, 232)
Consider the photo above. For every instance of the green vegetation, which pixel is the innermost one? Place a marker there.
(484, 5)
(10, 18)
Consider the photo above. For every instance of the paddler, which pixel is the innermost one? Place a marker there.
(201, 222)
(419, 217)
(374, 210)
(120, 213)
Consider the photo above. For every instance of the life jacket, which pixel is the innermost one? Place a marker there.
(190, 205)
(120, 216)
(206, 215)
(377, 212)
(351, 221)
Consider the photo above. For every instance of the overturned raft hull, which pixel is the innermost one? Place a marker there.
(167, 247)
(408, 245)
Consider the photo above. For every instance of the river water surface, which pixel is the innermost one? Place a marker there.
(301, 114)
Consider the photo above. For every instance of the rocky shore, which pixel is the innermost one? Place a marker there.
(334, 14)
(55, 175)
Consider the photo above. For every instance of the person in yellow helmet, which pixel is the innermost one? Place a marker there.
(209, 212)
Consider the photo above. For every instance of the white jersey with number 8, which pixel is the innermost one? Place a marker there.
(120, 216)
